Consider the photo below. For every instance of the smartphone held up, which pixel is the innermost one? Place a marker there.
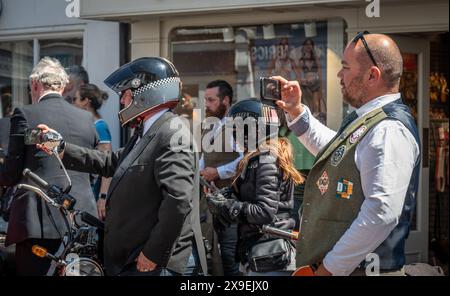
(270, 90)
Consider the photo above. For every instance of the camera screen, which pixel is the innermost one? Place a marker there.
(270, 89)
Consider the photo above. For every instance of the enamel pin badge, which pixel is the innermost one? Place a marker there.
(357, 134)
(323, 183)
(344, 189)
(338, 155)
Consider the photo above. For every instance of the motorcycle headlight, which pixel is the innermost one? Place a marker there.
(83, 267)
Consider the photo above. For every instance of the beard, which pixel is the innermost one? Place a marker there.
(355, 93)
(219, 113)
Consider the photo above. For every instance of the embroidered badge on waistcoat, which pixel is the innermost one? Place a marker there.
(338, 155)
(357, 134)
(344, 189)
(323, 183)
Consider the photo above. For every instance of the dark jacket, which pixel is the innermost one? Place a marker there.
(267, 199)
(151, 205)
(4, 133)
(30, 216)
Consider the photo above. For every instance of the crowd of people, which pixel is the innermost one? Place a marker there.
(356, 200)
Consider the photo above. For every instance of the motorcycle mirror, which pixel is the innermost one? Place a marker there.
(56, 155)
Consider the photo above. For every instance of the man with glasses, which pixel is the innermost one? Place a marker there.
(360, 193)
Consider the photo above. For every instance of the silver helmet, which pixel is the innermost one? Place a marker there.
(153, 81)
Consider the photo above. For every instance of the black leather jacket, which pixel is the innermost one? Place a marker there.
(267, 200)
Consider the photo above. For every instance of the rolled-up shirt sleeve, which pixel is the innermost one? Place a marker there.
(385, 158)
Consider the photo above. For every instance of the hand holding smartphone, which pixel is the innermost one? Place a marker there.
(48, 139)
(270, 91)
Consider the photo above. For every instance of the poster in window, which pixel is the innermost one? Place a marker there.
(295, 54)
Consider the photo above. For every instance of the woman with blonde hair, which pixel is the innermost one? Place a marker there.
(262, 192)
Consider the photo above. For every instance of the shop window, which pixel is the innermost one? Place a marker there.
(241, 55)
(68, 51)
(17, 61)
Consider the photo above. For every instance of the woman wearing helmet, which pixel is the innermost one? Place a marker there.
(262, 191)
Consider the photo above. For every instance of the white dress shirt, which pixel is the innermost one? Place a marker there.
(150, 121)
(385, 158)
(229, 169)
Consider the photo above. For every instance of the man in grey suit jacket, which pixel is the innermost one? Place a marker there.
(152, 224)
(31, 220)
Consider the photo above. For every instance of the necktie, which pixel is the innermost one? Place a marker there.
(139, 130)
(132, 142)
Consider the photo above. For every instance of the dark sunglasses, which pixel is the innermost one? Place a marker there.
(360, 35)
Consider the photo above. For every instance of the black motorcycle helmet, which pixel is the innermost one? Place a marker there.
(154, 81)
(252, 123)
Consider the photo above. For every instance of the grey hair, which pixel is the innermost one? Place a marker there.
(50, 73)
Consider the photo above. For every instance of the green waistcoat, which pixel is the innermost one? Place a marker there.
(333, 193)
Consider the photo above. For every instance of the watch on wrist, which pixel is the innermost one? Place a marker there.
(102, 195)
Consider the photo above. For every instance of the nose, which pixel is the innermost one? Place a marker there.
(125, 99)
(339, 74)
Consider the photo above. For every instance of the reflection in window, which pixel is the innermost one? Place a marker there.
(68, 51)
(241, 55)
(16, 63)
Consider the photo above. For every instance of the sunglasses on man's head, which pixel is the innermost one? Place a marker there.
(360, 35)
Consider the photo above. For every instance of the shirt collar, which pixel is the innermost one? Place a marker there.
(220, 123)
(47, 93)
(377, 103)
(149, 122)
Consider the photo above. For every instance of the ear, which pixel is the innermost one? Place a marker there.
(374, 75)
(227, 98)
(85, 102)
(34, 85)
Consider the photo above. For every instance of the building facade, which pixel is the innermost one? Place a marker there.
(32, 29)
(241, 40)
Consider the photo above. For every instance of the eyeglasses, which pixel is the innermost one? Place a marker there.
(360, 35)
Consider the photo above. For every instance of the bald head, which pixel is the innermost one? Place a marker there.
(387, 56)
